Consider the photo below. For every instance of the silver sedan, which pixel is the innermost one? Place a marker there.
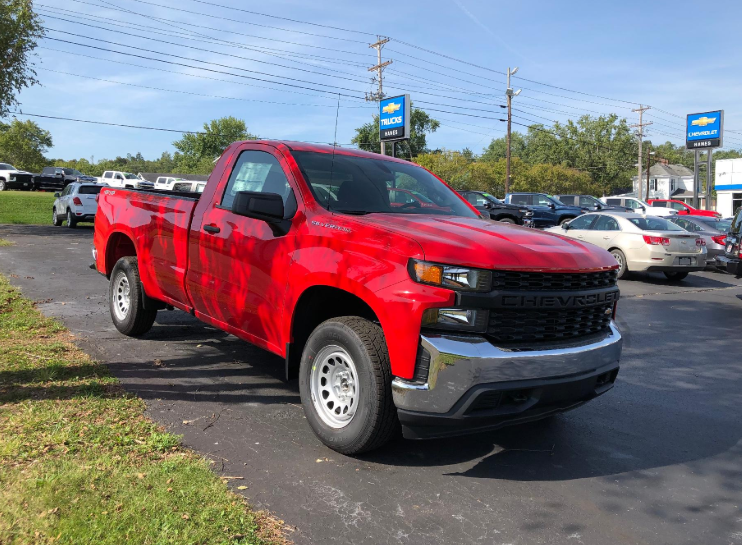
(713, 231)
(639, 242)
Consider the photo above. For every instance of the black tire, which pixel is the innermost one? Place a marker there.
(375, 420)
(506, 220)
(71, 221)
(137, 320)
(676, 276)
(621, 259)
(56, 220)
(562, 220)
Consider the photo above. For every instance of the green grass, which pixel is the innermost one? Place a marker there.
(4, 242)
(79, 461)
(26, 207)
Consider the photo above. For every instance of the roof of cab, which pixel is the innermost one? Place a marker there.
(324, 148)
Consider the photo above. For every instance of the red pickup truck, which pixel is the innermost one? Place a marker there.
(429, 317)
(683, 208)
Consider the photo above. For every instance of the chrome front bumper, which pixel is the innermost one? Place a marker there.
(459, 363)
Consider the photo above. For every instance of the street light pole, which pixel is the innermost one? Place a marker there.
(509, 93)
(649, 153)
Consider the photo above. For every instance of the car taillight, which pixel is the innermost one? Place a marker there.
(700, 242)
(720, 239)
(77, 201)
(656, 241)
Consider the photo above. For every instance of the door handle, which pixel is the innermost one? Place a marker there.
(606, 238)
(213, 229)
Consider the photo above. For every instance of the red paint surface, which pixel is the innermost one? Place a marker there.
(247, 281)
(689, 210)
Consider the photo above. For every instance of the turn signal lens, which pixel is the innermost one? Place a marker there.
(428, 273)
(450, 276)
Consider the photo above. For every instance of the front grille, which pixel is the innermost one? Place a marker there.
(542, 325)
(516, 280)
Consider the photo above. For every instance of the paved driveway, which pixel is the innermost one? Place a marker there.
(656, 460)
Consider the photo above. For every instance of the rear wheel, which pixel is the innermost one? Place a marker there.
(71, 222)
(506, 220)
(563, 220)
(56, 218)
(345, 385)
(621, 259)
(676, 276)
(126, 299)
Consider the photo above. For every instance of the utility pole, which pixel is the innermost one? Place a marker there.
(509, 93)
(649, 154)
(640, 133)
(379, 69)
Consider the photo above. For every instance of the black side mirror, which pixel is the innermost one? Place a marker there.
(489, 205)
(552, 205)
(57, 195)
(565, 226)
(260, 206)
(596, 206)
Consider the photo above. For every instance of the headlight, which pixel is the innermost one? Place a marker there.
(450, 276)
(12, 178)
(455, 319)
(526, 212)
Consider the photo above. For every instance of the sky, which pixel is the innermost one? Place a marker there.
(298, 70)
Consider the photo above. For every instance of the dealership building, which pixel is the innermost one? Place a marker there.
(728, 185)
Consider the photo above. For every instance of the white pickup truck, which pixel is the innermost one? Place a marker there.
(125, 180)
(639, 206)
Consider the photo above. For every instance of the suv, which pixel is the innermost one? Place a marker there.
(495, 209)
(57, 178)
(78, 202)
(731, 261)
(590, 203)
(639, 206)
(125, 180)
(682, 208)
(551, 211)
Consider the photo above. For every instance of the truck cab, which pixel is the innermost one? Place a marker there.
(126, 180)
(639, 206)
(495, 209)
(590, 203)
(551, 211)
(682, 208)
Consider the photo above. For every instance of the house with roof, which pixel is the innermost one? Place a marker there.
(668, 182)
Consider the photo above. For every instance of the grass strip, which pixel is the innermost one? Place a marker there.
(79, 461)
(26, 207)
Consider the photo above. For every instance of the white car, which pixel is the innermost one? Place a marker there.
(189, 186)
(639, 206)
(639, 242)
(75, 204)
(12, 178)
(165, 183)
(125, 180)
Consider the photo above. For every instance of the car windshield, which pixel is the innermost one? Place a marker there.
(72, 172)
(6, 166)
(655, 224)
(719, 225)
(130, 176)
(361, 185)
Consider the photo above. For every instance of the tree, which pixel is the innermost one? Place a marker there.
(421, 124)
(23, 144)
(498, 148)
(19, 32)
(198, 151)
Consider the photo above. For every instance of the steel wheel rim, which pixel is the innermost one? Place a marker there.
(121, 297)
(334, 386)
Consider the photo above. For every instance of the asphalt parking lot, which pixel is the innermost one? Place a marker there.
(656, 460)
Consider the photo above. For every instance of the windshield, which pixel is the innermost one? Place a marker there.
(492, 198)
(361, 185)
(72, 172)
(6, 166)
(719, 225)
(129, 176)
(655, 224)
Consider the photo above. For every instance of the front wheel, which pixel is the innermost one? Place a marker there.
(2, 184)
(676, 276)
(564, 220)
(345, 385)
(621, 259)
(126, 299)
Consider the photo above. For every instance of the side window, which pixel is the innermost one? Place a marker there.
(677, 206)
(541, 200)
(582, 222)
(616, 202)
(606, 223)
(118, 176)
(259, 171)
(586, 202)
(520, 199)
(632, 204)
(480, 200)
(658, 204)
(107, 174)
(471, 198)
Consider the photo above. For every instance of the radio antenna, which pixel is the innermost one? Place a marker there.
(334, 145)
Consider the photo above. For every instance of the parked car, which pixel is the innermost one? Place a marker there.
(165, 183)
(682, 208)
(640, 243)
(12, 178)
(78, 202)
(57, 178)
(495, 209)
(590, 204)
(723, 225)
(731, 261)
(419, 316)
(714, 238)
(548, 211)
(399, 198)
(125, 180)
(189, 186)
(639, 206)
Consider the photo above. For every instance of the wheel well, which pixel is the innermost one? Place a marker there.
(317, 304)
(119, 245)
(503, 216)
(566, 218)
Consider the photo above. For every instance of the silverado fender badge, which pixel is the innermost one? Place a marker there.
(331, 226)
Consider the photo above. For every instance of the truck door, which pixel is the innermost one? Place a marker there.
(238, 266)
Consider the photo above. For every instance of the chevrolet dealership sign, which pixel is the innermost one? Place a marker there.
(704, 130)
(394, 118)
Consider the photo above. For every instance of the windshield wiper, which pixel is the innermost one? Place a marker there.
(353, 212)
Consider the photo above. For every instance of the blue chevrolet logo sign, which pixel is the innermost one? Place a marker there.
(704, 126)
(391, 113)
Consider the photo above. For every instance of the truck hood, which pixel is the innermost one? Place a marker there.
(490, 244)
